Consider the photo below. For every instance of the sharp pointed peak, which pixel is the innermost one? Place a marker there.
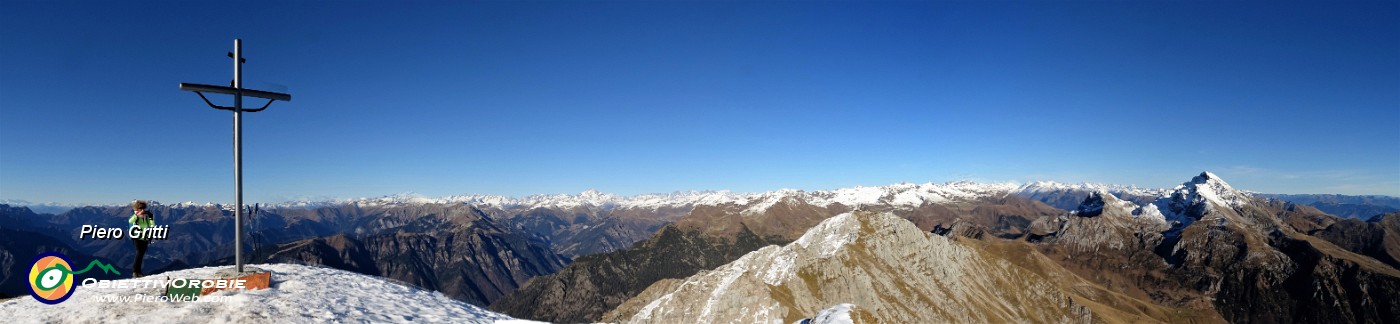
(1207, 177)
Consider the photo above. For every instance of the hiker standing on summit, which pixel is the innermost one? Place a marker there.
(143, 219)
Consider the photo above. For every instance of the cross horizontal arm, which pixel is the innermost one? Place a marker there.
(230, 91)
(211, 104)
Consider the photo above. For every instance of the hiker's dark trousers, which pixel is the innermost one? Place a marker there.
(140, 254)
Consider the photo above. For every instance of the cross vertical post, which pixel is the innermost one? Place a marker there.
(238, 154)
(236, 89)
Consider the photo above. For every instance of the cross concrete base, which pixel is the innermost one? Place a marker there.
(231, 272)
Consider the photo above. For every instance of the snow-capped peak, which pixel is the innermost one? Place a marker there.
(1204, 194)
(1213, 189)
(192, 203)
(1212, 180)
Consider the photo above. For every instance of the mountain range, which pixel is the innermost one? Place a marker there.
(958, 251)
(1202, 251)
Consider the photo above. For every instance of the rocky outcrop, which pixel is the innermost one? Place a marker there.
(594, 284)
(895, 271)
(475, 262)
(584, 230)
(1377, 238)
(1104, 222)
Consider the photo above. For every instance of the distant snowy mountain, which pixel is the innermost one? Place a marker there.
(1068, 196)
(590, 198)
(40, 208)
(1065, 196)
(59, 208)
(300, 294)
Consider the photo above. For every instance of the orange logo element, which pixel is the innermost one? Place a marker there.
(51, 278)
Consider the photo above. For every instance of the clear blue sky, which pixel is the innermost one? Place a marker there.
(518, 98)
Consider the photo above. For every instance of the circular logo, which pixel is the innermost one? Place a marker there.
(51, 278)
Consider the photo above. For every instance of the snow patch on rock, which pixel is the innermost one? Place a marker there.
(830, 235)
(839, 314)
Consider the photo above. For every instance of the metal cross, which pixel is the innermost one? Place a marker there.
(236, 89)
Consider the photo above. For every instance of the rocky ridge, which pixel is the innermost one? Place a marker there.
(892, 270)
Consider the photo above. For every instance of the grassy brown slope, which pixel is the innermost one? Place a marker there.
(1109, 305)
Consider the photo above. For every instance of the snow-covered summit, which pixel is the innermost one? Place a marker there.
(1212, 188)
(1204, 194)
(300, 294)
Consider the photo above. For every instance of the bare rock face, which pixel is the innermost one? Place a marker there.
(1207, 247)
(1378, 237)
(476, 262)
(594, 284)
(582, 230)
(1104, 222)
(893, 270)
(1092, 205)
